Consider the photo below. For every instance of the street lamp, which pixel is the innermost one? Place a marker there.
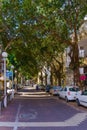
(16, 80)
(4, 55)
(12, 67)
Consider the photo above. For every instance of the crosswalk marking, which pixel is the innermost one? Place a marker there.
(73, 121)
(16, 120)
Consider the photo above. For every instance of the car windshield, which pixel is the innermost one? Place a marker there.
(84, 92)
(74, 89)
(56, 87)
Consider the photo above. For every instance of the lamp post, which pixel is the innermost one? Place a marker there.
(12, 67)
(4, 55)
(16, 80)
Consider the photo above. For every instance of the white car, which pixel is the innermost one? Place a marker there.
(68, 93)
(54, 90)
(9, 91)
(81, 99)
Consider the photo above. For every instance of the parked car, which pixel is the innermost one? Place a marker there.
(48, 87)
(42, 87)
(68, 93)
(9, 91)
(19, 86)
(81, 98)
(54, 90)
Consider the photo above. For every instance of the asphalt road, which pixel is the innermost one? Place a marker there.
(37, 110)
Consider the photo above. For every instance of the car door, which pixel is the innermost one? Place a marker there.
(64, 92)
(83, 98)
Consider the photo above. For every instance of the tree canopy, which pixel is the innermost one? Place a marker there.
(37, 31)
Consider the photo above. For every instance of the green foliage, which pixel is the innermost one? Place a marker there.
(35, 31)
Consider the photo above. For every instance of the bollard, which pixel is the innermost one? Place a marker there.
(0, 107)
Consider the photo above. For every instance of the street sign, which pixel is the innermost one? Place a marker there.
(9, 74)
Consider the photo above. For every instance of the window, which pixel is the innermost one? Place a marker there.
(74, 89)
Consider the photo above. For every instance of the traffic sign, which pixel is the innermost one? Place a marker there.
(9, 74)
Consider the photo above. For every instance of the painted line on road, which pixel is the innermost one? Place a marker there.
(16, 120)
(73, 121)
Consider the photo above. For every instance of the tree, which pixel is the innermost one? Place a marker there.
(73, 13)
(39, 31)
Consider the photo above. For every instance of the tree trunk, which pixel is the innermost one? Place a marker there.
(59, 79)
(51, 78)
(76, 59)
(45, 79)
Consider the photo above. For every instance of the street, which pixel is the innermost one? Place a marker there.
(37, 110)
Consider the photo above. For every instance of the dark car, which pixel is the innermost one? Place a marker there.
(48, 87)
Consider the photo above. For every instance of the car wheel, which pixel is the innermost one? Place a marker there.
(59, 96)
(77, 101)
(66, 99)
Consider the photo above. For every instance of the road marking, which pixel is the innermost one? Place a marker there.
(32, 114)
(16, 120)
(76, 119)
(73, 121)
